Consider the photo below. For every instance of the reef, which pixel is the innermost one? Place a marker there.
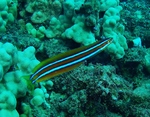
(115, 83)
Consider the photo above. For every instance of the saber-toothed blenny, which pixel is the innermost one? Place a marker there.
(67, 61)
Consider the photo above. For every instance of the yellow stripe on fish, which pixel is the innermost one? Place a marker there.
(67, 61)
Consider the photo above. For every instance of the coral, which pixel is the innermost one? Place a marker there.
(8, 104)
(79, 34)
(13, 82)
(35, 33)
(38, 98)
(26, 110)
(106, 4)
(42, 9)
(25, 58)
(7, 52)
(54, 28)
(14, 66)
(49, 84)
(58, 25)
(80, 21)
(8, 13)
(69, 8)
(111, 28)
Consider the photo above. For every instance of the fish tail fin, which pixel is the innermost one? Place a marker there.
(30, 85)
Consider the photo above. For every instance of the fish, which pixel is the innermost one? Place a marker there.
(67, 61)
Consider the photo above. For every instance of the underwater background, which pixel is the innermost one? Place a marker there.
(113, 83)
